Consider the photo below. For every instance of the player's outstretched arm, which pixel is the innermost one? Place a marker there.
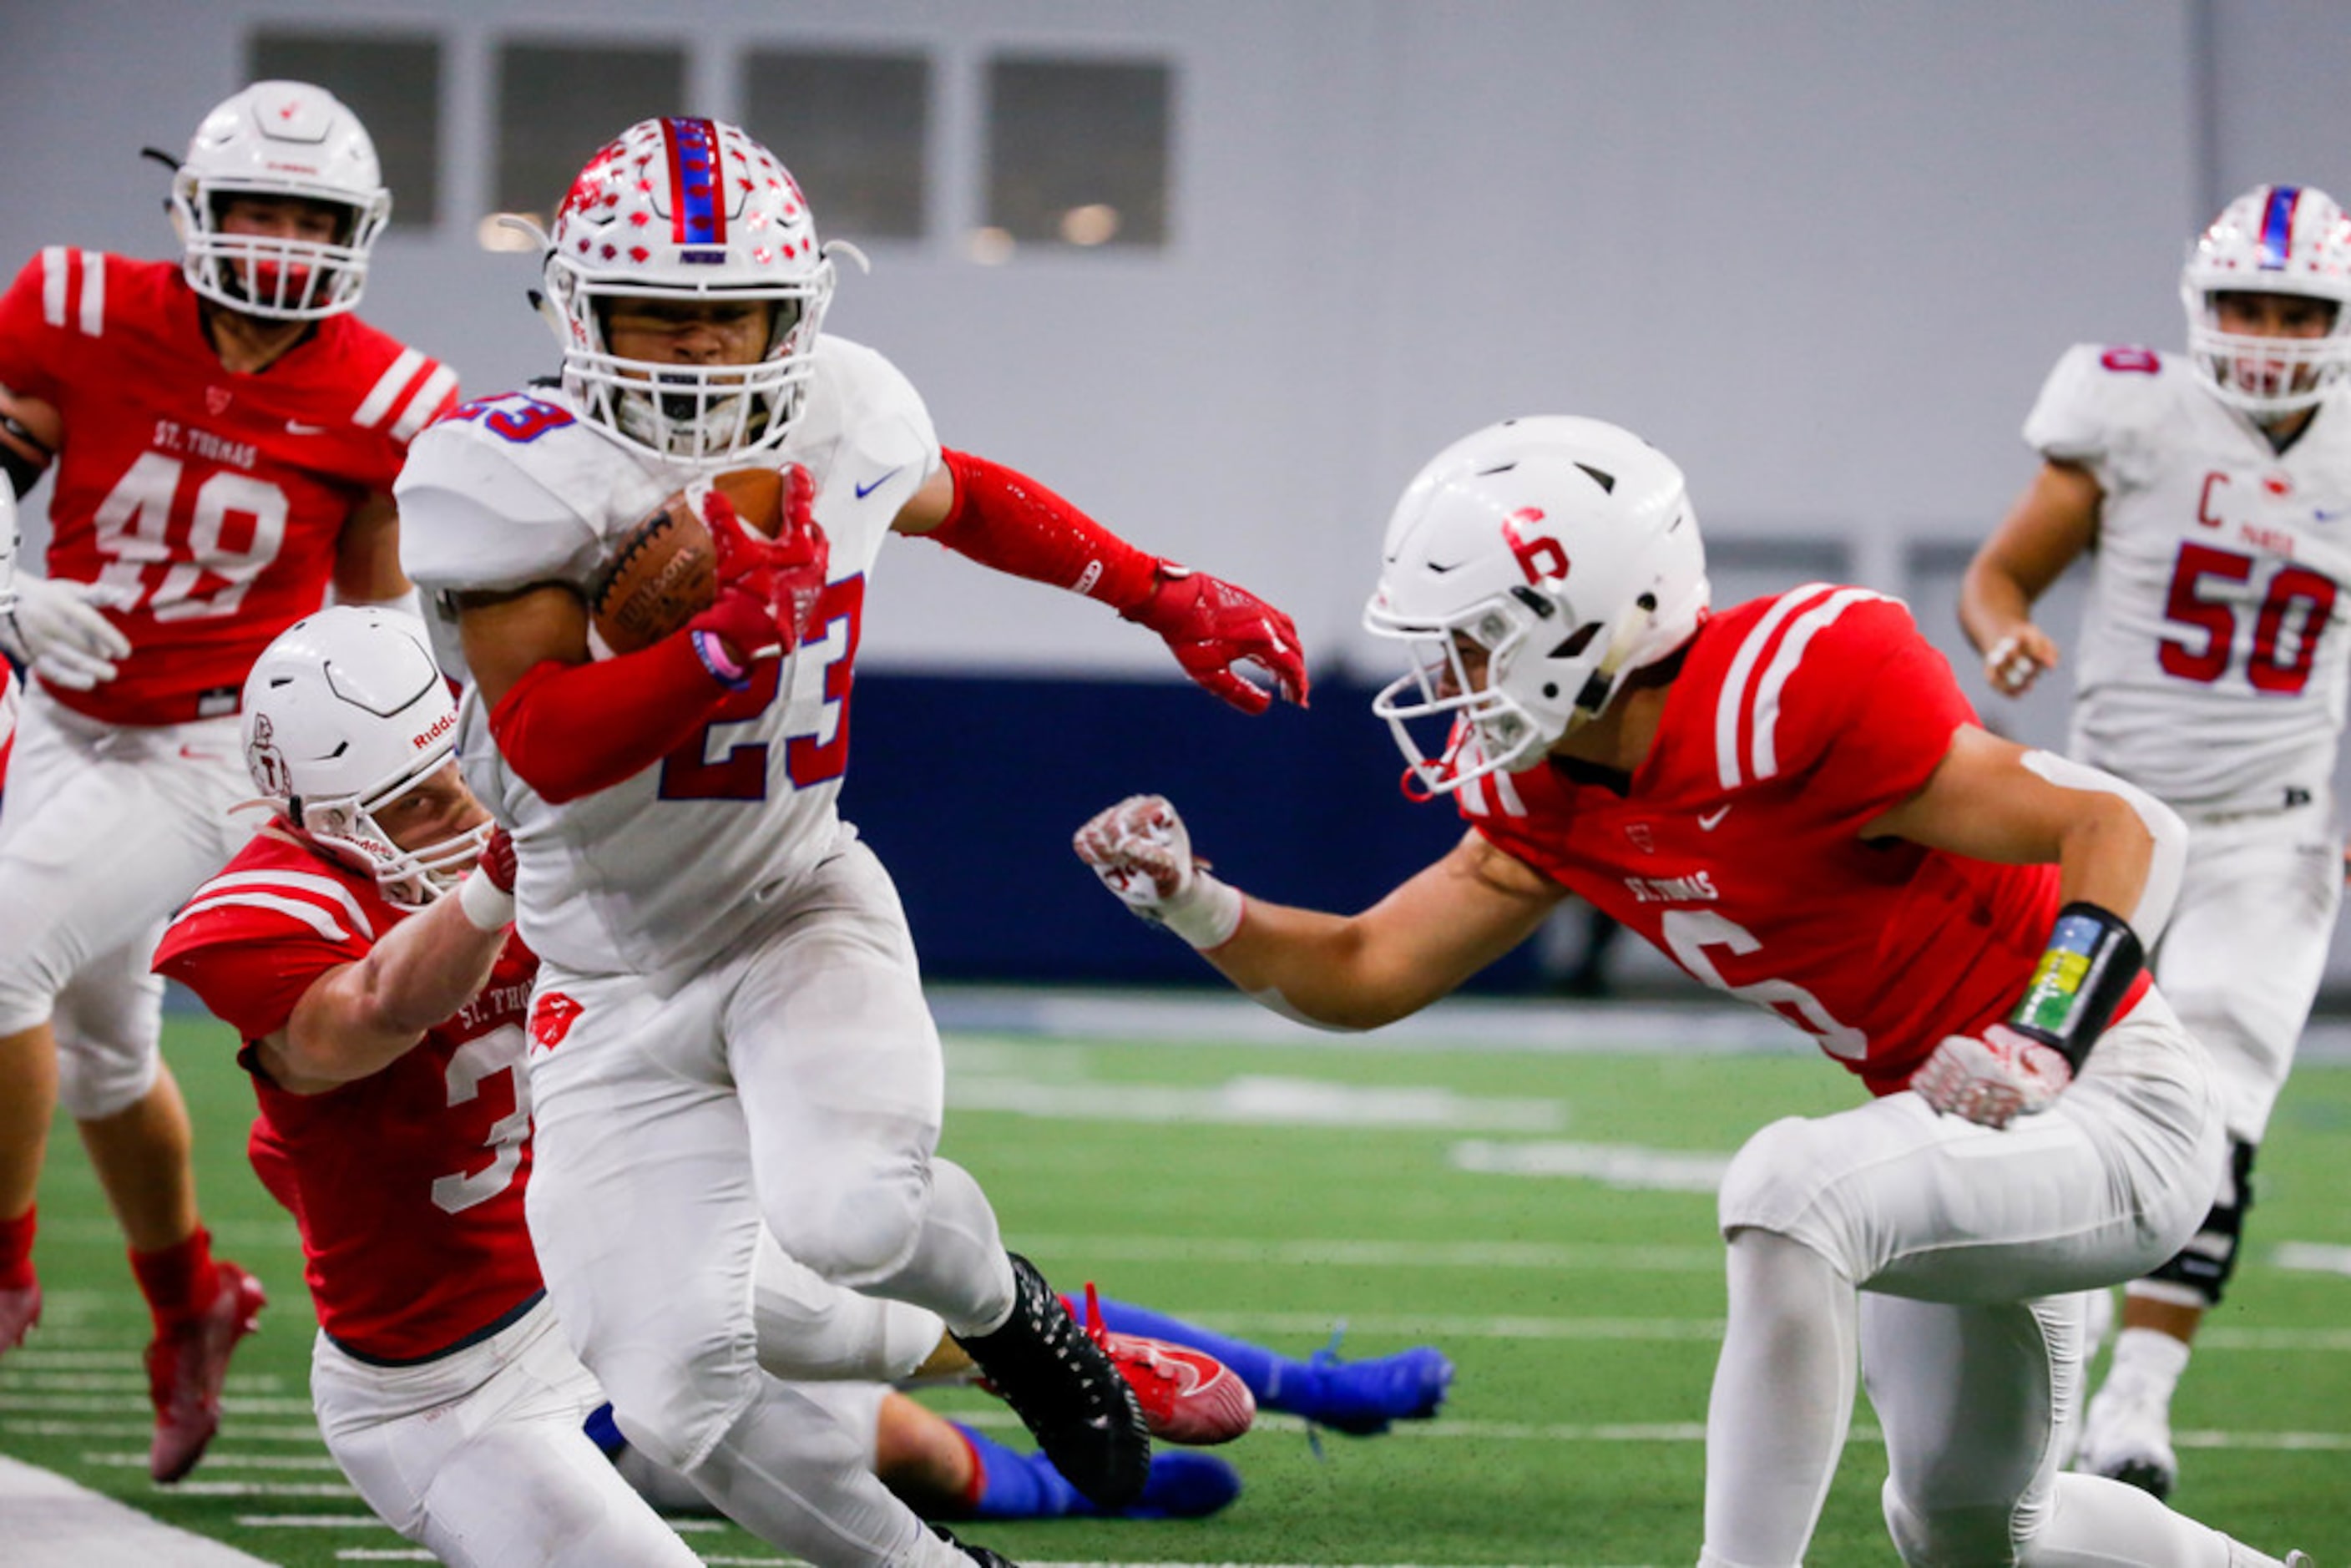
(1347, 972)
(2049, 527)
(357, 1019)
(1008, 521)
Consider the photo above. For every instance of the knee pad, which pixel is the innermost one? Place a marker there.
(857, 1223)
(2200, 1272)
(98, 1079)
(1951, 1536)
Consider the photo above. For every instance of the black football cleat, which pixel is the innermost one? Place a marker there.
(1066, 1392)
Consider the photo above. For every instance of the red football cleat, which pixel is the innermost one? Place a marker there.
(1187, 1395)
(20, 1309)
(185, 1369)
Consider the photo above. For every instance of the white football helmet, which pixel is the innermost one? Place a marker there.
(1565, 552)
(285, 138)
(685, 210)
(345, 712)
(2273, 239)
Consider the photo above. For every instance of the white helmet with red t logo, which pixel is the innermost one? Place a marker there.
(344, 713)
(280, 139)
(687, 211)
(1531, 568)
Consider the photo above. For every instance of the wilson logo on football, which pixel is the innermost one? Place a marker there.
(551, 1018)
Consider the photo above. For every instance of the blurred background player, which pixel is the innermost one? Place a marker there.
(730, 1029)
(224, 435)
(381, 1024)
(1789, 798)
(2210, 489)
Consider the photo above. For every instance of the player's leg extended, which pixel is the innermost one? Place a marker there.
(833, 1045)
(1357, 1397)
(480, 1455)
(1781, 1399)
(833, 1050)
(104, 833)
(2242, 964)
(642, 1210)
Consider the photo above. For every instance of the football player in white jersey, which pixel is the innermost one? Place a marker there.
(2212, 491)
(728, 1026)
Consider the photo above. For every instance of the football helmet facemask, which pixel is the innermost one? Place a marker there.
(284, 140)
(687, 210)
(2273, 239)
(344, 713)
(1531, 568)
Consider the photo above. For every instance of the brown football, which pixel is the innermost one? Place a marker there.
(664, 571)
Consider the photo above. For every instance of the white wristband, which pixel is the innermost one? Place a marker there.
(487, 906)
(1207, 915)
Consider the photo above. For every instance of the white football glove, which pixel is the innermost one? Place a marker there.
(1140, 850)
(56, 629)
(1993, 1079)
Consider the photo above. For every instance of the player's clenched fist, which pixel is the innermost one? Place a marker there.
(2017, 659)
(1993, 1079)
(1142, 853)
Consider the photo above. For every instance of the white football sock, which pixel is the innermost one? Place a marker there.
(1782, 1403)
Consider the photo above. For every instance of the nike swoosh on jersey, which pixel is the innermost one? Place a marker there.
(867, 489)
(1706, 819)
(296, 428)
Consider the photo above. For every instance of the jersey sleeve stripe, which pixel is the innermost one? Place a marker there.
(1734, 700)
(308, 914)
(1790, 654)
(54, 282)
(294, 882)
(93, 293)
(379, 398)
(425, 404)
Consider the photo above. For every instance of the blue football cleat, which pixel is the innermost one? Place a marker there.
(1186, 1486)
(1361, 1398)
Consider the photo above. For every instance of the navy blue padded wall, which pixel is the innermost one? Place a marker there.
(971, 787)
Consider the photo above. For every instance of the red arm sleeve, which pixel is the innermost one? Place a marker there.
(249, 976)
(1011, 522)
(570, 730)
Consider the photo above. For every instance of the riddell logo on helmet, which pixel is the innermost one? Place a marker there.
(1539, 558)
(440, 728)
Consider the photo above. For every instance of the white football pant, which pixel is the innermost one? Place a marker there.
(2243, 956)
(1956, 1236)
(795, 1084)
(479, 1457)
(104, 830)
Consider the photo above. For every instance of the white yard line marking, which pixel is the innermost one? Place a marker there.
(1328, 1251)
(53, 1523)
(216, 1460)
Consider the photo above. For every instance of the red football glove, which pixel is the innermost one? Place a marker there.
(486, 896)
(498, 860)
(1212, 626)
(787, 571)
(1993, 1079)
